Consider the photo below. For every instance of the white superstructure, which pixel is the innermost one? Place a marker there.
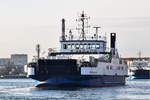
(109, 64)
(104, 68)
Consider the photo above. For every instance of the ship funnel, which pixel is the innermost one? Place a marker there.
(63, 29)
(38, 51)
(113, 43)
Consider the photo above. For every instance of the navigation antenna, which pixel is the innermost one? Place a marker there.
(96, 34)
(83, 25)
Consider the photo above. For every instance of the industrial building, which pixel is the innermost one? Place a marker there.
(19, 59)
(4, 61)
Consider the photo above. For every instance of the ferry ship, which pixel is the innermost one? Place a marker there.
(82, 61)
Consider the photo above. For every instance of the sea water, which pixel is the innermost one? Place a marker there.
(23, 89)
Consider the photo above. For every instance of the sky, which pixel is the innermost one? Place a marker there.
(25, 23)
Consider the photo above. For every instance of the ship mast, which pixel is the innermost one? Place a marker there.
(84, 21)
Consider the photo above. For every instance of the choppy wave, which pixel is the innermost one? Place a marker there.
(23, 89)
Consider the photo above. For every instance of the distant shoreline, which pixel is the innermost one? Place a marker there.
(13, 76)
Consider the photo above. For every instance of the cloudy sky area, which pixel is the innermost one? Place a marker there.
(24, 23)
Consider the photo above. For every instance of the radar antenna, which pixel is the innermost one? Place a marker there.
(96, 34)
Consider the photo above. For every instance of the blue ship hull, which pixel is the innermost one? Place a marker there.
(82, 81)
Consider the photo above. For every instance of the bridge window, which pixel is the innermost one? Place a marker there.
(69, 46)
(77, 46)
(101, 45)
(65, 46)
(93, 46)
(88, 46)
(85, 46)
(97, 46)
(81, 46)
(73, 46)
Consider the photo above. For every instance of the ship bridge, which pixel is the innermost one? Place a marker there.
(84, 43)
(82, 46)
